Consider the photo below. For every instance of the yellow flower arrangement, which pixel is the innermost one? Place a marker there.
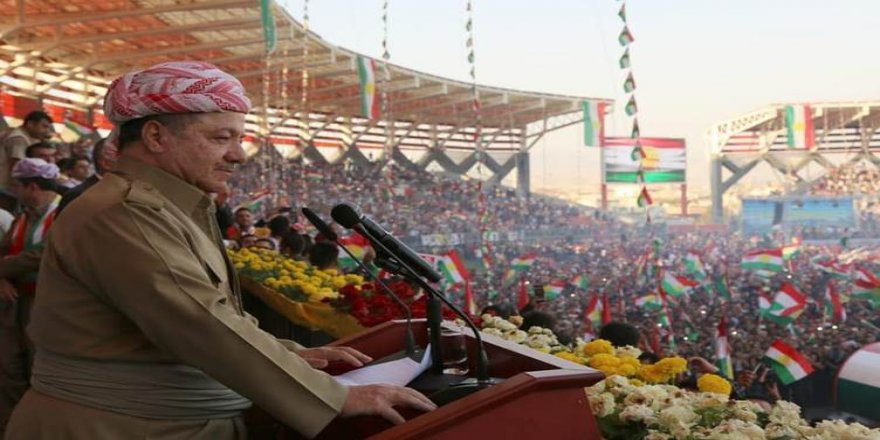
(710, 383)
(296, 279)
(598, 346)
(569, 356)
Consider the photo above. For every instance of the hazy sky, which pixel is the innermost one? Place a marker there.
(696, 62)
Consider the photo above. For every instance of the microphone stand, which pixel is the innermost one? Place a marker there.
(483, 380)
(411, 351)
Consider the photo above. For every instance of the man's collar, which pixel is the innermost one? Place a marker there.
(182, 194)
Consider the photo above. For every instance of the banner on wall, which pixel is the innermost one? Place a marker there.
(664, 161)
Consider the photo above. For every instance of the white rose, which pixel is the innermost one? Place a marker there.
(777, 430)
(737, 430)
(837, 429)
(493, 332)
(638, 413)
(602, 405)
(657, 435)
(517, 336)
(678, 415)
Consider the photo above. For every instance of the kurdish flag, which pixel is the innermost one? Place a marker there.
(677, 285)
(799, 127)
(367, 75)
(357, 249)
(790, 251)
(764, 303)
(789, 365)
(858, 384)
(768, 260)
(554, 289)
(524, 262)
(650, 302)
(866, 285)
(594, 123)
(722, 350)
(597, 311)
(581, 282)
(833, 305)
(836, 270)
(452, 268)
(694, 265)
(79, 129)
(787, 305)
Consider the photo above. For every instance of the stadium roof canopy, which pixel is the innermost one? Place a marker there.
(64, 53)
(740, 144)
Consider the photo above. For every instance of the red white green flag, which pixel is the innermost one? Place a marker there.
(866, 285)
(769, 260)
(790, 366)
(650, 301)
(367, 76)
(524, 262)
(787, 305)
(722, 350)
(833, 305)
(677, 285)
(581, 282)
(596, 311)
(694, 265)
(594, 123)
(799, 127)
(555, 289)
(452, 268)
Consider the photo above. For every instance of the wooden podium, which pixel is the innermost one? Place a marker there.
(541, 397)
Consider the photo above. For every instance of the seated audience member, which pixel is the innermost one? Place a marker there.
(265, 243)
(42, 150)
(620, 334)
(324, 255)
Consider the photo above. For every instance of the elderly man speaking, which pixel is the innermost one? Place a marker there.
(138, 324)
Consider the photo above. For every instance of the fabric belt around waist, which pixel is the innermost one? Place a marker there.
(156, 391)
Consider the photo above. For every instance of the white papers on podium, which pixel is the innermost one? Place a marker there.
(397, 372)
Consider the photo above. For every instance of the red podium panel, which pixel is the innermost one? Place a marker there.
(542, 395)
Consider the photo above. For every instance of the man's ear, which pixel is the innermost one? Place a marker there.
(155, 137)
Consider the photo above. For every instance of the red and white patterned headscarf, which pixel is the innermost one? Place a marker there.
(174, 87)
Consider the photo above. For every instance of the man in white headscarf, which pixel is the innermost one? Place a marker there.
(141, 332)
(33, 182)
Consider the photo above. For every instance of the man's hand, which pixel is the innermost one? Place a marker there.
(7, 291)
(379, 400)
(320, 357)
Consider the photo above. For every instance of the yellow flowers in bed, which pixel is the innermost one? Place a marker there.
(297, 280)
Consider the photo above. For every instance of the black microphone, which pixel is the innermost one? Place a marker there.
(319, 223)
(330, 234)
(350, 217)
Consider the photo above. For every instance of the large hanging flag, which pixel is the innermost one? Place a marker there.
(645, 198)
(581, 282)
(555, 289)
(267, 17)
(799, 126)
(866, 285)
(858, 384)
(833, 305)
(787, 305)
(790, 366)
(650, 302)
(768, 260)
(452, 268)
(694, 265)
(594, 123)
(722, 350)
(677, 285)
(367, 75)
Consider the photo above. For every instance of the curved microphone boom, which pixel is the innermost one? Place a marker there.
(350, 217)
(330, 234)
